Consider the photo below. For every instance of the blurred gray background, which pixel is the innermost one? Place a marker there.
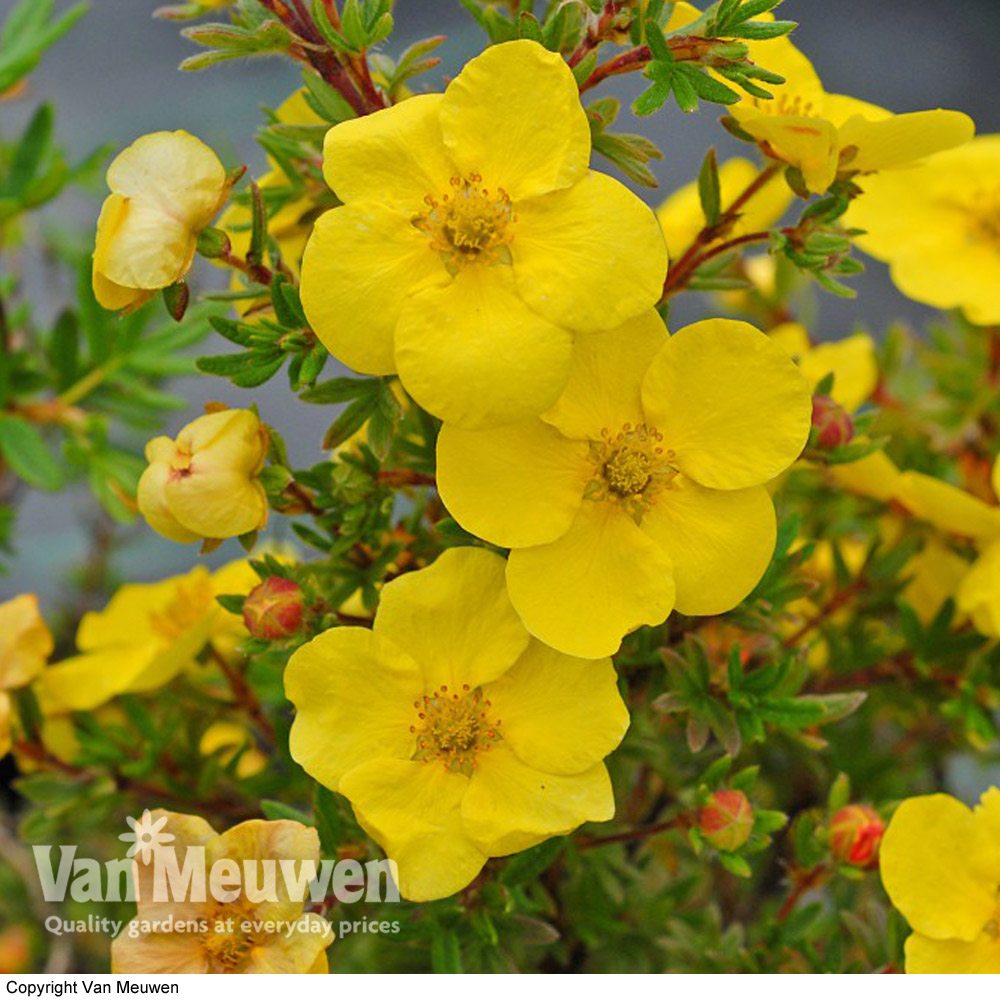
(115, 77)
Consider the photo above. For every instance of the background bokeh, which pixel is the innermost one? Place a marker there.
(115, 77)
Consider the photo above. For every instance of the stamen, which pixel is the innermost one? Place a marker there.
(469, 225)
(455, 730)
(630, 468)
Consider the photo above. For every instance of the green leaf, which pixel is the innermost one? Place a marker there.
(709, 189)
(24, 449)
(350, 421)
(340, 390)
(446, 953)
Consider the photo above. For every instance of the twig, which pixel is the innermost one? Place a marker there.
(244, 694)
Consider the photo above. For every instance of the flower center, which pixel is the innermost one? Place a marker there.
(226, 950)
(453, 727)
(980, 208)
(188, 605)
(630, 468)
(469, 224)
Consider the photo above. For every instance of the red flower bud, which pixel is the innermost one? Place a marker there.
(726, 820)
(833, 425)
(273, 609)
(855, 835)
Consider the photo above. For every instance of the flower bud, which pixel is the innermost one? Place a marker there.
(205, 483)
(273, 609)
(25, 641)
(855, 835)
(833, 426)
(726, 820)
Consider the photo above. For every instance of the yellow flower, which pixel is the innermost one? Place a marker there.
(681, 217)
(822, 134)
(851, 361)
(229, 739)
(938, 227)
(146, 636)
(474, 241)
(956, 512)
(874, 476)
(940, 864)
(25, 645)
(204, 484)
(165, 188)
(215, 939)
(641, 490)
(454, 734)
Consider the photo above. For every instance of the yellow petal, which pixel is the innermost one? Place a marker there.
(472, 353)
(681, 216)
(151, 497)
(720, 542)
(731, 405)
(987, 813)
(412, 808)
(940, 867)
(301, 951)
(149, 248)
(936, 574)
(354, 693)
(510, 806)
(926, 955)
(978, 593)
(995, 477)
(137, 952)
(604, 578)
(81, 683)
(590, 256)
(513, 486)
(900, 139)
(107, 293)
(513, 116)
(476, 634)
(947, 507)
(395, 157)
(362, 263)
(874, 476)
(604, 390)
(807, 143)
(217, 503)
(176, 172)
(25, 641)
(852, 362)
(558, 713)
(4, 724)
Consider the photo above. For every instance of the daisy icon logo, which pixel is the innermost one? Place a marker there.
(146, 836)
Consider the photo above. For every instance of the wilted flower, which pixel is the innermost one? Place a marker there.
(165, 188)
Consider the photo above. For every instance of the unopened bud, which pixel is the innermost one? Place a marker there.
(176, 297)
(273, 609)
(213, 243)
(833, 426)
(855, 835)
(726, 820)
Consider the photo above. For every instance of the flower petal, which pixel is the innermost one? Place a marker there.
(604, 390)
(513, 116)
(361, 264)
(947, 507)
(295, 952)
(219, 504)
(940, 867)
(176, 171)
(514, 486)
(454, 618)
(558, 713)
(149, 249)
(395, 157)
(412, 808)
(729, 403)
(472, 353)
(81, 683)
(510, 806)
(927, 955)
(852, 362)
(136, 952)
(900, 139)
(978, 594)
(604, 578)
(151, 498)
(804, 142)
(590, 256)
(354, 693)
(720, 542)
